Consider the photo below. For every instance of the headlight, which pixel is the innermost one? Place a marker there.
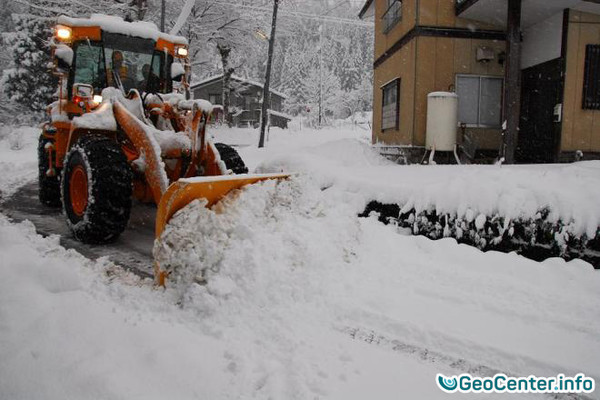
(97, 99)
(182, 52)
(63, 32)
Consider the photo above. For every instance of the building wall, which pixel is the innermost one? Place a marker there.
(409, 17)
(204, 91)
(442, 13)
(237, 98)
(439, 60)
(425, 65)
(253, 110)
(580, 128)
(400, 65)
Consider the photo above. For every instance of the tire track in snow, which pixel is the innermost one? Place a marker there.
(460, 365)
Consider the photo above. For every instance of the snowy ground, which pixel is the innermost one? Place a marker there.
(18, 157)
(303, 300)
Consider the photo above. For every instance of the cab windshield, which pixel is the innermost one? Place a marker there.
(123, 62)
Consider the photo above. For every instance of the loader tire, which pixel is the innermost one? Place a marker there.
(48, 186)
(96, 189)
(231, 158)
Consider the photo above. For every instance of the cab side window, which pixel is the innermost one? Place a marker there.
(89, 66)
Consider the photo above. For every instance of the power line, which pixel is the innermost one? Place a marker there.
(299, 14)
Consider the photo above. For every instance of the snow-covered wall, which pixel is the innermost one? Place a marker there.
(542, 42)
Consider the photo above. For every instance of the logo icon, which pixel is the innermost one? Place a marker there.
(448, 385)
(500, 383)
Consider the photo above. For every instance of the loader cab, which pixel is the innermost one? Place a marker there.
(120, 61)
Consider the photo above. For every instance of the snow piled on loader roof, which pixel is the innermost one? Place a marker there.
(113, 24)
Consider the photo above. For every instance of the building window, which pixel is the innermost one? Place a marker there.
(391, 105)
(479, 100)
(591, 82)
(392, 15)
(215, 99)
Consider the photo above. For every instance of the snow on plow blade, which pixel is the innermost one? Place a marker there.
(211, 188)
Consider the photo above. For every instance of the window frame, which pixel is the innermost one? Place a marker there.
(72, 72)
(217, 96)
(481, 77)
(396, 83)
(389, 23)
(591, 78)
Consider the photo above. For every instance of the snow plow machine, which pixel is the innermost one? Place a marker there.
(119, 131)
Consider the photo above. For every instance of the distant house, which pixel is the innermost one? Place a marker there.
(246, 100)
(534, 64)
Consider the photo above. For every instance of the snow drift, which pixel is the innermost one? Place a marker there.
(293, 262)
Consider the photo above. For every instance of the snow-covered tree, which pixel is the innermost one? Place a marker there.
(356, 99)
(29, 82)
(321, 92)
(225, 37)
(128, 9)
(216, 30)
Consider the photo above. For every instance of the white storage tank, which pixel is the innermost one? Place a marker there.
(442, 121)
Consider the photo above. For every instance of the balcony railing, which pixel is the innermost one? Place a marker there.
(392, 15)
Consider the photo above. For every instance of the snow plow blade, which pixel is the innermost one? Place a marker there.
(211, 188)
(184, 191)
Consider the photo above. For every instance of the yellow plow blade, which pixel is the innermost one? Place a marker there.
(211, 188)
(184, 191)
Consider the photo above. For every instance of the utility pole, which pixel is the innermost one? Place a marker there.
(266, 92)
(163, 7)
(320, 74)
(512, 89)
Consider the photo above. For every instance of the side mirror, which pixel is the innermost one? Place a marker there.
(63, 59)
(177, 72)
(83, 91)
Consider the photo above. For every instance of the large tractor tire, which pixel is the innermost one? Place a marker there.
(96, 189)
(231, 158)
(48, 186)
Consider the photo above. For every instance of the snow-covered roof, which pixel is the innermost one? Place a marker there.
(109, 23)
(213, 78)
(279, 114)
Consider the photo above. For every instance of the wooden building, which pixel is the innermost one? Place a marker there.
(246, 100)
(533, 65)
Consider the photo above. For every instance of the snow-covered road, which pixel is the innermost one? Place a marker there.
(303, 300)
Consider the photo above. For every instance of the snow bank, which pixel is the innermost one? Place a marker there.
(75, 328)
(302, 300)
(569, 191)
(280, 142)
(290, 264)
(18, 157)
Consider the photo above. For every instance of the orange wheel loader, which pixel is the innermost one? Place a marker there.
(118, 131)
